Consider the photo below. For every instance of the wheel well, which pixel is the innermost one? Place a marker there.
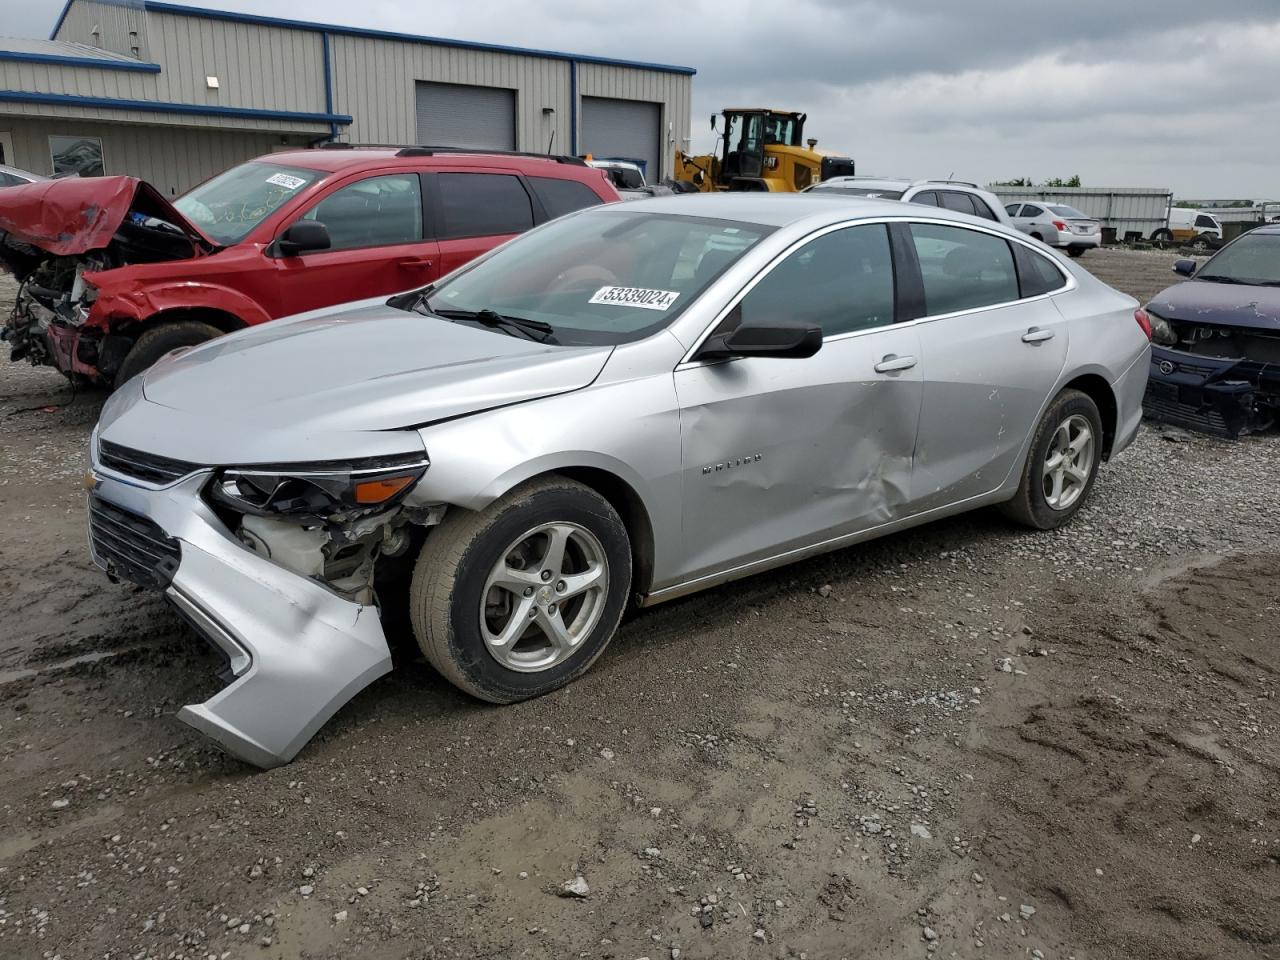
(226, 322)
(1099, 391)
(631, 509)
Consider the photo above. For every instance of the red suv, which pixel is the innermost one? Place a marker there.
(113, 276)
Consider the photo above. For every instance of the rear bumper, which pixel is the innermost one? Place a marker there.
(296, 652)
(1129, 389)
(1223, 397)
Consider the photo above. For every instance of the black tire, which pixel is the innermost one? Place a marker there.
(1201, 242)
(1029, 505)
(158, 341)
(1076, 252)
(1162, 235)
(446, 594)
(1036, 236)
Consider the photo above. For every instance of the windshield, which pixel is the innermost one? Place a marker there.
(1254, 258)
(878, 192)
(233, 203)
(603, 277)
(1071, 213)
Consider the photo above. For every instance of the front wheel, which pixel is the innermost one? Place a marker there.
(520, 598)
(1062, 464)
(158, 341)
(1201, 243)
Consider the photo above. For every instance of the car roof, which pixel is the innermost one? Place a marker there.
(883, 183)
(784, 209)
(337, 160)
(18, 172)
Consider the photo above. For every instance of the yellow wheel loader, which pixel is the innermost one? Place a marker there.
(759, 149)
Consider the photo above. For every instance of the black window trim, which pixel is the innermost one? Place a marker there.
(437, 204)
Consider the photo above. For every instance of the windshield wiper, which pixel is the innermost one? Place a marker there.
(521, 326)
(1221, 278)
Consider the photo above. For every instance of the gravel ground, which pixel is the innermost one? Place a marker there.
(964, 741)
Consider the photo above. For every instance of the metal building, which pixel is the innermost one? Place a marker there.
(174, 94)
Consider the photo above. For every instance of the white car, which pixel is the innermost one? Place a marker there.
(13, 177)
(1058, 225)
(958, 195)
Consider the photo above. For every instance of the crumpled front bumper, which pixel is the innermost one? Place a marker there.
(1219, 396)
(296, 651)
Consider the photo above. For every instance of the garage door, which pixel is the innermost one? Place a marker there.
(457, 115)
(623, 128)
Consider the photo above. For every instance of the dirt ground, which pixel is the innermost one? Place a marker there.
(965, 741)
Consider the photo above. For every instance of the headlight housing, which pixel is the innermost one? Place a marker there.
(1161, 330)
(323, 489)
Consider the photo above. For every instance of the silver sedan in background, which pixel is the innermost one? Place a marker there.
(633, 402)
(1058, 225)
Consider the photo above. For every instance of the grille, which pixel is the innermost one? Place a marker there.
(1168, 410)
(132, 547)
(142, 466)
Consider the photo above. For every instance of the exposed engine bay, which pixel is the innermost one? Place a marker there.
(56, 254)
(1220, 379)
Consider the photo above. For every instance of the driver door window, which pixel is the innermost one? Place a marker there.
(842, 281)
(375, 212)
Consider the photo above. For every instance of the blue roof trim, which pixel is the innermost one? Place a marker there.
(136, 66)
(153, 106)
(66, 8)
(154, 6)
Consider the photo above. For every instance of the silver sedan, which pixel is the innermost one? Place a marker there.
(630, 403)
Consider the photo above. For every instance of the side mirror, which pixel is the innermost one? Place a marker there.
(1186, 267)
(305, 236)
(783, 339)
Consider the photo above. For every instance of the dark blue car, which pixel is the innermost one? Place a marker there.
(1215, 358)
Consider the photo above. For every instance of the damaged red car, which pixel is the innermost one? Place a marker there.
(113, 276)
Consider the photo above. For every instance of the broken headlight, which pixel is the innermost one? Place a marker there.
(318, 489)
(1161, 330)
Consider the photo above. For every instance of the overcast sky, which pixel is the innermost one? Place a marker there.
(1174, 93)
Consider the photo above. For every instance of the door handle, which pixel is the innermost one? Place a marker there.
(892, 363)
(415, 262)
(1037, 335)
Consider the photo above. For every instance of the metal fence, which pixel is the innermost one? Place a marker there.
(1126, 213)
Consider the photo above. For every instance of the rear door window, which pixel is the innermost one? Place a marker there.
(482, 205)
(959, 202)
(963, 269)
(563, 196)
(980, 209)
(928, 198)
(1031, 210)
(1012, 209)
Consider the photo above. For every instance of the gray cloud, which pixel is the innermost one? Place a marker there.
(1174, 93)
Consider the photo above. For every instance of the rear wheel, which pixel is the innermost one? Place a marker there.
(1162, 236)
(1062, 463)
(158, 341)
(1076, 251)
(519, 599)
(1201, 242)
(1036, 236)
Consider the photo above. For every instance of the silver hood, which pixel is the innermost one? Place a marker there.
(375, 368)
(353, 377)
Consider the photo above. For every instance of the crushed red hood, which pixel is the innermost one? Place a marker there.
(76, 215)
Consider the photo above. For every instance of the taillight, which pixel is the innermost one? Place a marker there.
(1059, 225)
(1143, 321)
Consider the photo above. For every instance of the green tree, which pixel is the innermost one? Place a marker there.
(1072, 181)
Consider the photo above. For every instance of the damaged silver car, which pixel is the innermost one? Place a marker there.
(630, 403)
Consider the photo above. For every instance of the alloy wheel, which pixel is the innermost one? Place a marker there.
(544, 596)
(1068, 462)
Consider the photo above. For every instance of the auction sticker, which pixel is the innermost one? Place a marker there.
(286, 181)
(635, 297)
